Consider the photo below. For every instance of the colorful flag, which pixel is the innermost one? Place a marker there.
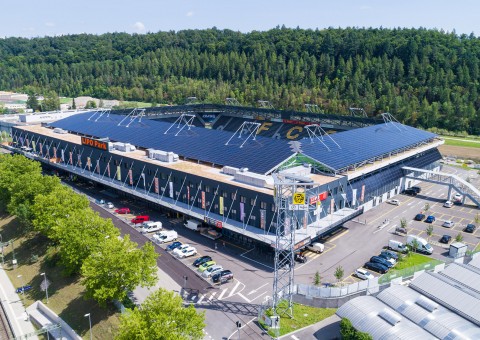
(203, 200)
(220, 201)
(155, 181)
(130, 176)
(263, 217)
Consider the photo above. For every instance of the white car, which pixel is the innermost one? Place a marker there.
(448, 204)
(448, 224)
(110, 205)
(178, 250)
(150, 227)
(363, 274)
(457, 197)
(190, 251)
(394, 202)
(212, 270)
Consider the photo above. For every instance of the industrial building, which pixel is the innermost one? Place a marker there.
(215, 163)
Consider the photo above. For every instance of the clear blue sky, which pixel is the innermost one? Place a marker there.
(32, 18)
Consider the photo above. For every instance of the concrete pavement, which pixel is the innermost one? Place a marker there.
(13, 306)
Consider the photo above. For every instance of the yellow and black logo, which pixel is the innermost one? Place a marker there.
(299, 198)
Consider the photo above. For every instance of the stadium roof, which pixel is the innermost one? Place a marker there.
(367, 314)
(261, 155)
(358, 145)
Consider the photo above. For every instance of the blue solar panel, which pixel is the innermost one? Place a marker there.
(359, 145)
(205, 145)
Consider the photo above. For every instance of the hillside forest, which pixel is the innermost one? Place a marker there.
(425, 78)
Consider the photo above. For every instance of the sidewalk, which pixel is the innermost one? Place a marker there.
(14, 309)
(328, 329)
(164, 281)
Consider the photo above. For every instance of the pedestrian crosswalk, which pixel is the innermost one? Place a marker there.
(217, 295)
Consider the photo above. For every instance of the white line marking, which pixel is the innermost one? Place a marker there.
(294, 337)
(211, 296)
(222, 293)
(243, 297)
(236, 332)
(201, 299)
(265, 292)
(234, 288)
(256, 289)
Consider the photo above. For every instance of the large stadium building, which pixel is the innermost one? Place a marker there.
(215, 163)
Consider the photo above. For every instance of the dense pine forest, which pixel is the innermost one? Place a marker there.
(426, 78)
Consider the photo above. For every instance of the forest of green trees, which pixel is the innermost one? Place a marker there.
(425, 78)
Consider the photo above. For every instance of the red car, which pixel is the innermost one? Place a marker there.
(122, 211)
(140, 219)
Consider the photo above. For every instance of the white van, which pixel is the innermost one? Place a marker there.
(193, 224)
(422, 245)
(166, 236)
(397, 246)
(150, 227)
(316, 247)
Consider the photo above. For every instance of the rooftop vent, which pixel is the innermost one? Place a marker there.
(391, 317)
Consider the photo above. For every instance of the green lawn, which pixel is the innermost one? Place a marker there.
(66, 100)
(66, 293)
(303, 316)
(459, 141)
(409, 265)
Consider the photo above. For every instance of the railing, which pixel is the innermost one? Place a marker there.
(434, 265)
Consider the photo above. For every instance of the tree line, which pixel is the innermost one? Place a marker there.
(426, 78)
(89, 245)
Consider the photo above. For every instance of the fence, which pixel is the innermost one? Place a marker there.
(371, 286)
(434, 265)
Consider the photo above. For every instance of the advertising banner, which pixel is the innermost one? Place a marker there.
(263, 218)
(362, 195)
(71, 158)
(155, 183)
(79, 160)
(354, 197)
(34, 147)
(332, 205)
(130, 176)
(108, 169)
(220, 205)
(119, 173)
(89, 163)
(203, 200)
(171, 189)
(54, 152)
(41, 149)
(63, 155)
(188, 194)
(299, 198)
(98, 166)
(242, 211)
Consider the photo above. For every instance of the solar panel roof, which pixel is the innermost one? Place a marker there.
(205, 145)
(359, 145)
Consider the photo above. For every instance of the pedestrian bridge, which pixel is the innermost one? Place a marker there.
(452, 181)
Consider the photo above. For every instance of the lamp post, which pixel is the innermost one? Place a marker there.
(185, 279)
(239, 325)
(89, 323)
(46, 286)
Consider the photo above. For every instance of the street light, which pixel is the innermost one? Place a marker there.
(90, 323)
(239, 325)
(185, 279)
(46, 286)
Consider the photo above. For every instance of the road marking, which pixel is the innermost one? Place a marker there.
(294, 337)
(341, 234)
(265, 292)
(201, 299)
(212, 296)
(234, 288)
(256, 289)
(223, 293)
(243, 297)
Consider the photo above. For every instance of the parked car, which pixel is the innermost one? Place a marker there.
(150, 227)
(201, 260)
(180, 248)
(174, 245)
(363, 274)
(190, 251)
(448, 224)
(212, 270)
(316, 247)
(416, 189)
(100, 202)
(400, 230)
(445, 239)
(381, 260)
(409, 192)
(206, 265)
(387, 257)
(140, 219)
(457, 197)
(394, 202)
(110, 205)
(299, 257)
(122, 211)
(397, 246)
(470, 228)
(421, 244)
(166, 236)
(378, 267)
(390, 253)
(223, 276)
(430, 219)
(419, 217)
(448, 204)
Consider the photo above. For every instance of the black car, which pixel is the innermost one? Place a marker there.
(201, 260)
(410, 192)
(419, 217)
(391, 254)
(445, 239)
(470, 228)
(416, 189)
(174, 245)
(378, 267)
(381, 260)
(223, 276)
(299, 257)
